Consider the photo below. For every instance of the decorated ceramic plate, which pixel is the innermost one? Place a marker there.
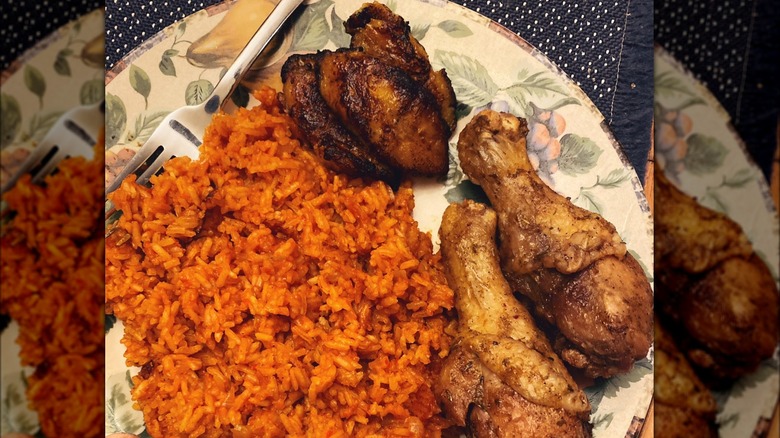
(705, 157)
(62, 71)
(489, 67)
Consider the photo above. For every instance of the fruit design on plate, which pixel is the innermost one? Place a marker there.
(678, 148)
(545, 127)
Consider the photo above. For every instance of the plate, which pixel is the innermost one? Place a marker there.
(713, 165)
(60, 72)
(489, 66)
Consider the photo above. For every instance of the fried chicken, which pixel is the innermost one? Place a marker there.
(723, 306)
(689, 236)
(330, 139)
(570, 263)
(502, 363)
(387, 109)
(380, 33)
(378, 108)
(684, 407)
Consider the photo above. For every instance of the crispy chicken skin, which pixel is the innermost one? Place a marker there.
(722, 308)
(689, 236)
(539, 228)
(684, 407)
(302, 100)
(380, 33)
(502, 364)
(569, 262)
(376, 109)
(387, 109)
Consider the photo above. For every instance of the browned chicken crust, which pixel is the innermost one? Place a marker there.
(569, 262)
(503, 364)
(684, 407)
(376, 109)
(380, 33)
(330, 139)
(689, 236)
(387, 109)
(722, 308)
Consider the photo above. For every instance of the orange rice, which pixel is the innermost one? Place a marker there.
(264, 295)
(52, 265)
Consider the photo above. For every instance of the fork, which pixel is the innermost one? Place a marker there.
(181, 132)
(73, 134)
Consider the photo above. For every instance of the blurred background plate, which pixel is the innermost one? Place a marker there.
(60, 72)
(702, 153)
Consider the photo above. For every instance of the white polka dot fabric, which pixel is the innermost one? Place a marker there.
(733, 48)
(25, 22)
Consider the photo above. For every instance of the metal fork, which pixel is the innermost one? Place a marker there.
(74, 134)
(181, 132)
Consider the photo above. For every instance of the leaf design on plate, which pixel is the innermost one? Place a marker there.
(140, 82)
(614, 178)
(61, 64)
(739, 179)
(34, 81)
(539, 85)
(391, 4)
(766, 369)
(578, 155)
(166, 63)
(311, 30)
(470, 79)
(17, 417)
(180, 29)
(602, 421)
(667, 84)
(10, 119)
(41, 123)
(145, 124)
(197, 91)
(420, 30)
(92, 91)
(110, 320)
(455, 29)
(337, 33)
(466, 190)
(120, 415)
(240, 96)
(705, 154)
(610, 387)
(116, 119)
(587, 200)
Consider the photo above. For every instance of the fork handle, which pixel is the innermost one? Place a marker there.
(228, 83)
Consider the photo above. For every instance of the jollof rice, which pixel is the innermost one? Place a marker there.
(264, 295)
(52, 285)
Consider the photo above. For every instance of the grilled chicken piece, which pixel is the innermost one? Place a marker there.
(330, 139)
(684, 407)
(387, 109)
(570, 262)
(722, 307)
(502, 364)
(689, 236)
(539, 227)
(382, 34)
